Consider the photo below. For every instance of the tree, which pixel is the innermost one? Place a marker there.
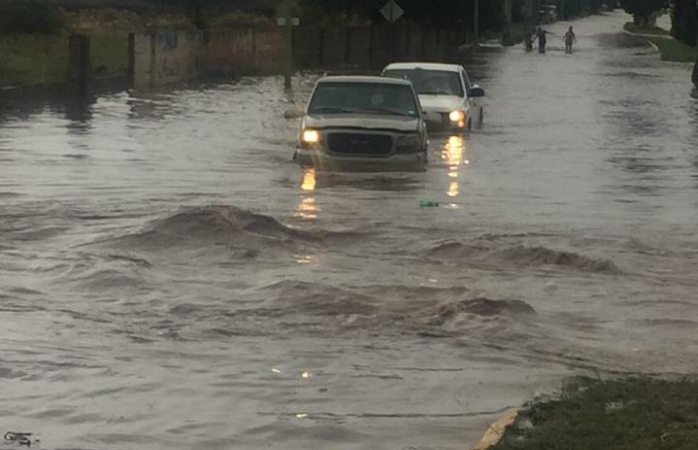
(642, 9)
(30, 16)
(684, 21)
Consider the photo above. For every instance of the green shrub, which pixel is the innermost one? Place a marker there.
(673, 50)
(30, 16)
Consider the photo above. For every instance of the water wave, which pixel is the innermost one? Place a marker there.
(222, 225)
(520, 255)
(300, 297)
(309, 307)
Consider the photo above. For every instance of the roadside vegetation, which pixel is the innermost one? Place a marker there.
(684, 23)
(636, 29)
(32, 59)
(673, 50)
(670, 49)
(34, 38)
(29, 59)
(643, 11)
(622, 414)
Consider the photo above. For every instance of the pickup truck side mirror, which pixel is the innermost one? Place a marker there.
(477, 91)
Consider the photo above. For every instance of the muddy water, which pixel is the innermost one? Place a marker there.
(169, 279)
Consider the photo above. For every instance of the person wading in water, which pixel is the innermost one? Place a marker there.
(542, 39)
(570, 39)
(528, 41)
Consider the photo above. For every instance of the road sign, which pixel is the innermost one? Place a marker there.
(392, 11)
(281, 21)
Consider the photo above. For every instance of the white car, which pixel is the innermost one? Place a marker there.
(449, 100)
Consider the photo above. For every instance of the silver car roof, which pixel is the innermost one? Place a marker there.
(425, 66)
(364, 79)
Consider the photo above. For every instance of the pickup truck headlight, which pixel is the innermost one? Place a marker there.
(310, 136)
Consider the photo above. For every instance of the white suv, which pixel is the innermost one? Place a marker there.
(450, 101)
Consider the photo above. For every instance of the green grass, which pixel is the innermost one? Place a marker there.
(670, 49)
(33, 59)
(673, 50)
(627, 414)
(110, 51)
(632, 28)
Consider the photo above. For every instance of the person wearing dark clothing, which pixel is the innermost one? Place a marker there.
(542, 39)
(570, 39)
(695, 75)
(528, 41)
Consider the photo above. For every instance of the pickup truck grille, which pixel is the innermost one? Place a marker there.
(360, 143)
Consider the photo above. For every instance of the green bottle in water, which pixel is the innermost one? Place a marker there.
(428, 204)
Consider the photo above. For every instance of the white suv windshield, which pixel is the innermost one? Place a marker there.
(364, 98)
(430, 82)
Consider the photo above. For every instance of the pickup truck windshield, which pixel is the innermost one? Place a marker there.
(363, 98)
(430, 82)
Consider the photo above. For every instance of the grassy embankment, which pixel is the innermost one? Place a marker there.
(669, 48)
(673, 50)
(625, 414)
(29, 59)
(632, 28)
(41, 58)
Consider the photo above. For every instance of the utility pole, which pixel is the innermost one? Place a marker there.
(476, 21)
(288, 47)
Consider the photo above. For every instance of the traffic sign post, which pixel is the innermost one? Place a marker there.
(288, 22)
(392, 12)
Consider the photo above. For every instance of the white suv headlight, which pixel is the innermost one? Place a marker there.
(456, 116)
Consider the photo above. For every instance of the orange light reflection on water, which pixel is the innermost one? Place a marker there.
(453, 189)
(308, 184)
(453, 154)
(307, 207)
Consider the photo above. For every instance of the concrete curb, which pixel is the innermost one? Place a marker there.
(496, 431)
(653, 45)
(647, 37)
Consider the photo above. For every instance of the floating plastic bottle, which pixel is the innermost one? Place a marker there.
(428, 204)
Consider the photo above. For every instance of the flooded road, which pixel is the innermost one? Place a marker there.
(170, 279)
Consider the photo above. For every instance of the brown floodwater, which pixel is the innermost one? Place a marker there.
(169, 279)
